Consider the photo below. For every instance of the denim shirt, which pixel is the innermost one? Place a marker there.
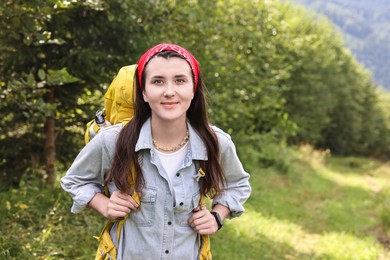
(159, 229)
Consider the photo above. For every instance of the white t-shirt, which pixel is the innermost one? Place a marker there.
(172, 162)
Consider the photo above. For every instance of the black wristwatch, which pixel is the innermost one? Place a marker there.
(218, 219)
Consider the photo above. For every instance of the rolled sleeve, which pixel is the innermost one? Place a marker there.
(83, 197)
(86, 176)
(237, 189)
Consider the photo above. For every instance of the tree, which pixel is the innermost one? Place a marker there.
(273, 73)
(56, 56)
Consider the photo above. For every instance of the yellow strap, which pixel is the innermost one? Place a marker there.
(135, 196)
(87, 137)
(204, 244)
(205, 247)
(120, 226)
(106, 248)
(90, 127)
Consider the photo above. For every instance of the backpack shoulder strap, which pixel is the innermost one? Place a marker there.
(204, 243)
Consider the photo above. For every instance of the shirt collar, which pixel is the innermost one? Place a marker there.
(197, 146)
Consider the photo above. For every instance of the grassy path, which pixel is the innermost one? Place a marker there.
(322, 208)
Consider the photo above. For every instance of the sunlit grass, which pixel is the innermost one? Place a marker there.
(323, 208)
(368, 175)
(286, 240)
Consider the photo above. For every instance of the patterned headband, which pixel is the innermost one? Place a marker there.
(168, 47)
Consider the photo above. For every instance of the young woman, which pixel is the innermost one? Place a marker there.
(178, 158)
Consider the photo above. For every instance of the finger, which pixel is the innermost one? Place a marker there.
(114, 207)
(199, 212)
(124, 200)
(200, 218)
(133, 204)
(205, 225)
(119, 202)
(207, 231)
(200, 223)
(123, 196)
(194, 217)
(113, 214)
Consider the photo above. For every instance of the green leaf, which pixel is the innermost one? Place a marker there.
(31, 80)
(41, 74)
(60, 77)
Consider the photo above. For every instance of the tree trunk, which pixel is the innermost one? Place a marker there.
(50, 143)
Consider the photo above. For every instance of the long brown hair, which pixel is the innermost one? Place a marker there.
(125, 156)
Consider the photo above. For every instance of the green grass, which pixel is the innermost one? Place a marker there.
(319, 207)
(322, 208)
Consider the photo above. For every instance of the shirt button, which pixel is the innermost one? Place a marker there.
(169, 223)
(181, 203)
(166, 251)
(178, 174)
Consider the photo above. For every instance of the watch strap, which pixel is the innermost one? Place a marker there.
(218, 219)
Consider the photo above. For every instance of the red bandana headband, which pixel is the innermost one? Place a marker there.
(168, 47)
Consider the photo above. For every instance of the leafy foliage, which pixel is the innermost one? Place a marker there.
(65, 47)
(275, 73)
(329, 95)
(37, 224)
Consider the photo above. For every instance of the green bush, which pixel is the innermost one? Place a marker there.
(37, 224)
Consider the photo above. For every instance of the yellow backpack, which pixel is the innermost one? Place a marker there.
(118, 108)
(118, 105)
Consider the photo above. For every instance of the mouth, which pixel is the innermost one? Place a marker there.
(170, 103)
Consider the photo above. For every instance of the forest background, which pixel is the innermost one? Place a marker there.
(365, 26)
(279, 79)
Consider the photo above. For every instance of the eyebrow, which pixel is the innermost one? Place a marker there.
(162, 77)
(157, 77)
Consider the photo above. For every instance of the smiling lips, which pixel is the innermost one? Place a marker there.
(169, 103)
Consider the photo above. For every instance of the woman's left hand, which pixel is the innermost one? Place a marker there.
(203, 222)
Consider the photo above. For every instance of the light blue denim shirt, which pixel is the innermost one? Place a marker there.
(159, 229)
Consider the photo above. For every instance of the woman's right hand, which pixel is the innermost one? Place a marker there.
(119, 205)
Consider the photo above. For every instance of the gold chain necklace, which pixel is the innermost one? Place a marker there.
(173, 148)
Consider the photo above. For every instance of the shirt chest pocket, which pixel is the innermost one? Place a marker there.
(145, 215)
(183, 213)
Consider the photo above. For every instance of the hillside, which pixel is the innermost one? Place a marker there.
(365, 26)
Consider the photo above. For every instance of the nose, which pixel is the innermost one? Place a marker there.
(169, 90)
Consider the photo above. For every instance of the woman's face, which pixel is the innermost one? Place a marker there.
(168, 88)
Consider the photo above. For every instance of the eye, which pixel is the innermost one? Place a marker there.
(158, 82)
(180, 81)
